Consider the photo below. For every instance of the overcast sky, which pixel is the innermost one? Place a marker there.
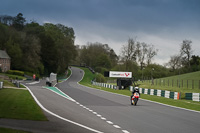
(163, 23)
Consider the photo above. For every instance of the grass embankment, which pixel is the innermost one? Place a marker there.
(6, 130)
(19, 104)
(178, 103)
(185, 83)
(13, 76)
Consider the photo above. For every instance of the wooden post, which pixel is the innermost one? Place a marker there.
(182, 83)
(168, 82)
(199, 84)
(192, 84)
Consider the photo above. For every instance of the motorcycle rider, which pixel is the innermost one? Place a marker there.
(135, 90)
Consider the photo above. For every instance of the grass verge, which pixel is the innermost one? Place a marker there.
(173, 89)
(185, 83)
(188, 104)
(6, 130)
(19, 104)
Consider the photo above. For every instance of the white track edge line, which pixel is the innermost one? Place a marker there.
(75, 123)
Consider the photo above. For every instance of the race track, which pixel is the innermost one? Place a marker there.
(146, 117)
(97, 111)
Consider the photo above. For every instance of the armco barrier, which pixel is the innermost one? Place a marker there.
(192, 96)
(162, 93)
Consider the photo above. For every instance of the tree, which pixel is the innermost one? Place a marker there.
(14, 51)
(18, 22)
(89, 54)
(103, 61)
(48, 54)
(151, 52)
(37, 48)
(64, 49)
(155, 71)
(31, 48)
(174, 62)
(195, 63)
(7, 20)
(186, 52)
(128, 50)
(4, 35)
(141, 50)
(113, 57)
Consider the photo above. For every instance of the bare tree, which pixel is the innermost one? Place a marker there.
(5, 19)
(128, 50)
(174, 62)
(186, 52)
(151, 52)
(141, 51)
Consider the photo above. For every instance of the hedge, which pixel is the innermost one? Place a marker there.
(15, 72)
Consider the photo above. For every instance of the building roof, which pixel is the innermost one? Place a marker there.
(3, 54)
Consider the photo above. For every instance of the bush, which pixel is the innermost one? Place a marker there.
(100, 78)
(15, 77)
(101, 69)
(15, 72)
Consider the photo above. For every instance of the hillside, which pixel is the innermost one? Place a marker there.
(189, 82)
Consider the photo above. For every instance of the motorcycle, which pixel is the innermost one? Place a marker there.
(135, 98)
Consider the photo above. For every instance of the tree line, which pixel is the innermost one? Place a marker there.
(36, 48)
(137, 57)
(50, 47)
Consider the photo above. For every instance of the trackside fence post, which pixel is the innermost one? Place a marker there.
(199, 84)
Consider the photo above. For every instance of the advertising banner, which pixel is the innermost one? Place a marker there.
(116, 74)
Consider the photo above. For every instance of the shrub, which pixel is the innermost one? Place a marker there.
(15, 77)
(100, 78)
(101, 69)
(15, 72)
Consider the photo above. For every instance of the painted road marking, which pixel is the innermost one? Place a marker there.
(116, 126)
(32, 83)
(67, 120)
(125, 131)
(144, 100)
(99, 115)
(109, 122)
(94, 113)
(103, 118)
(59, 92)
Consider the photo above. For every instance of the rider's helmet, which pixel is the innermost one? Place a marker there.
(136, 89)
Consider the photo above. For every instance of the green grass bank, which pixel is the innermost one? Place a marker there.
(7, 130)
(185, 83)
(19, 104)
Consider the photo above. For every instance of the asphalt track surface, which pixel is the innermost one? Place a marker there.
(101, 111)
